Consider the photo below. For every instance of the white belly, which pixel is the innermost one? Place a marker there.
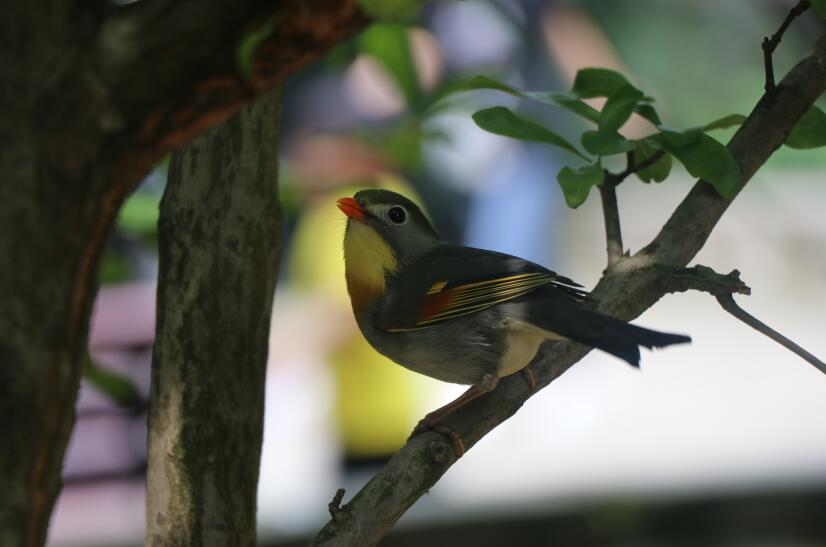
(523, 342)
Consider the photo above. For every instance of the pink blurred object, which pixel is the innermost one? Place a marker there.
(124, 316)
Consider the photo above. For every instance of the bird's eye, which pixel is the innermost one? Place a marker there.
(397, 215)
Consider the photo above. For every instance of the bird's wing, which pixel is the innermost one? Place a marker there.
(453, 281)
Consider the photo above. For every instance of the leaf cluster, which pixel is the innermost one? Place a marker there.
(703, 156)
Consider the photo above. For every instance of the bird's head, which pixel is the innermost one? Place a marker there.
(385, 231)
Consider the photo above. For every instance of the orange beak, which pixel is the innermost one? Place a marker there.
(352, 209)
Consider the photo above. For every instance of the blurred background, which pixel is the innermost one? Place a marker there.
(722, 442)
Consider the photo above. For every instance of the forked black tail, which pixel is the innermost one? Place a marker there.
(598, 330)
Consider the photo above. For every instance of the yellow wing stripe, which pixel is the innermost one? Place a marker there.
(471, 305)
(437, 287)
(476, 296)
(495, 291)
(467, 309)
(477, 307)
(483, 294)
(461, 292)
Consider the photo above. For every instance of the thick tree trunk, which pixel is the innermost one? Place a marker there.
(92, 95)
(219, 247)
(49, 243)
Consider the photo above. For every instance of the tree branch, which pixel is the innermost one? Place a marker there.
(763, 131)
(770, 44)
(722, 287)
(631, 287)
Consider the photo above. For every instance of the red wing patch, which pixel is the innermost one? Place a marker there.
(442, 302)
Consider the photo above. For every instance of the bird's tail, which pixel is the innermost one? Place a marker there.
(601, 331)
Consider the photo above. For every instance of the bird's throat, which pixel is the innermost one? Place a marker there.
(367, 260)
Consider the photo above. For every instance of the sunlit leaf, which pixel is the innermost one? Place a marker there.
(501, 121)
(707, 159)
(659, 170)
(618, 107)
(606, 143)
(597, 82)
(389, 44)
(576, 183)
(810, 130)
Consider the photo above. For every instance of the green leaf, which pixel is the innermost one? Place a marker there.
(681, 138)
(569, 102)
(618, 107)
(389, 44)
(810, 130)
(709, 160)
(245, 52)
(486, 82)
(390, 10)
(576, 183)
(606, 143)
(819, 6)
(576, 106)
(501, 121)
(117, 387)
(649, 113)
(597, 82)
(659, 170)
(725, 121)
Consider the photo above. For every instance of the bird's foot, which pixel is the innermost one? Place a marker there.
(431, 423)
(529, 378)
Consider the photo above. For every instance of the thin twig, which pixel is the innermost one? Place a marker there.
(610, 208)
(728, 304)
(770, 44)
(634, 167)
(610, 212)
(722, 287)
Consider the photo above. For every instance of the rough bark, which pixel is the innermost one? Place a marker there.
(92, 95)
(627, 289)
(219, 241)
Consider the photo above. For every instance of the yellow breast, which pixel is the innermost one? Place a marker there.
(367, 259)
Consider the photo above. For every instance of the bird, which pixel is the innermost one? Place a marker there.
(460, 314)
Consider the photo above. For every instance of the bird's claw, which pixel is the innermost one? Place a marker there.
(429, 424)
